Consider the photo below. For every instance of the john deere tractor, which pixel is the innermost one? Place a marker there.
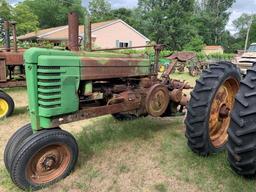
(64, 87)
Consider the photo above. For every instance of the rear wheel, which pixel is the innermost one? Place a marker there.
(211, 101)
(43, 159)
(14, 142)
(6, 105)
(242, 132)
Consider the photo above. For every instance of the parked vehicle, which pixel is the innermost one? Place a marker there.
(247, 59)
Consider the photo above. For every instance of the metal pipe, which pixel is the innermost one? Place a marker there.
(89, 36)
(73, 31)
(123, 48)
(14, 34)
(158, 49)
(7, 42)
(87, 33)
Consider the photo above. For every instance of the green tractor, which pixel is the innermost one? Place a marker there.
(64, 87)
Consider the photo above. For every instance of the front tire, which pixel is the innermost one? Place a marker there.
(43, 159)
(208, 118)
(14, 142)
(242, 132)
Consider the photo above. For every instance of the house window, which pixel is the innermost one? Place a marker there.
(123, 44)
(56, 44)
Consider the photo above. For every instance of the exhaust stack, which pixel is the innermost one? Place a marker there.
(73, 31)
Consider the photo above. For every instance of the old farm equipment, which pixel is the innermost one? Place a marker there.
(12, 71)
(64, 87)
(189, 60)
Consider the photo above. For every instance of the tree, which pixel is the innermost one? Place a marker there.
(100, 10)
(167, 22)
(5, 10)
(196, 44)
(211, 18)
(52, 13)
(26, 20)
(242, 24)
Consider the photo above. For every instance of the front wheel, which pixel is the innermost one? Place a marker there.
(14, 142)
(43, 159)
(211, 101)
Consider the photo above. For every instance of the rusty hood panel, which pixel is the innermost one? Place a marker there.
(105, 68)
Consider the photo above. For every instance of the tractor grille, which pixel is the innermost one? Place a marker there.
(49, 86)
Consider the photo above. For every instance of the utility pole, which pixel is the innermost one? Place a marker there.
(247, 35)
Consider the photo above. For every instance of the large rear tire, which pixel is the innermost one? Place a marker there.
(43, 159)
(6, 105)
(242, 132)
(208, 118)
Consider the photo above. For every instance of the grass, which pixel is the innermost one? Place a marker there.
(184, 76)
(148, 154)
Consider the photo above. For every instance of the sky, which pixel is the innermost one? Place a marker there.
(240, 7)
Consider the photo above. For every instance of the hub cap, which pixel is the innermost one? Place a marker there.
(48, 164)
(222, 104)
(157, 100)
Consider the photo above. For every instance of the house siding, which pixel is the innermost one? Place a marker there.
(108, 37)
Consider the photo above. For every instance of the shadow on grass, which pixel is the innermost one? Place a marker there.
(109, 131)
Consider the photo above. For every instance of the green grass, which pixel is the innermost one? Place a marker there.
(175, 158)
(208, 173)
(108, 132)
(184, 76)
(161, 187)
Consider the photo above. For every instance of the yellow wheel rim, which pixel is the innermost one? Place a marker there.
(4, 107)
(162, 68)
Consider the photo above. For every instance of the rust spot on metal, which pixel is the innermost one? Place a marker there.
(106, 68)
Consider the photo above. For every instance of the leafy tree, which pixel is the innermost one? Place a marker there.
(167, 22)
(5, 10)
(242, 24)
(196, 44)
(100, 10)
(26, 20)
(211, 18)
(52, 13)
